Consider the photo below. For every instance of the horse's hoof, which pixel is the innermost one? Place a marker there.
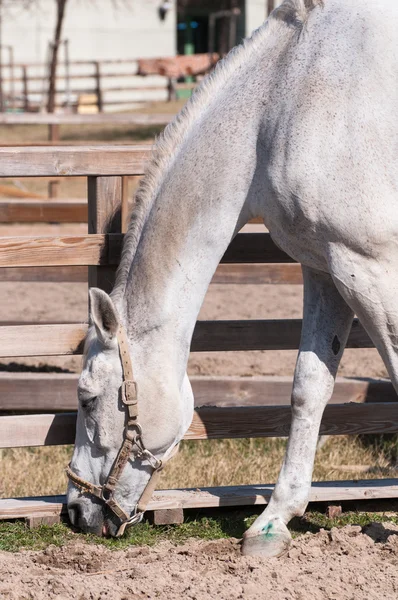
(272, 540)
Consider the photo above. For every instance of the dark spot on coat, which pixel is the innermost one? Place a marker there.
(336, 345)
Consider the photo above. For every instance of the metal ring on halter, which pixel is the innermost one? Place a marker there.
(133, 520)
(106, 494)
(155, 463)
(132, 435)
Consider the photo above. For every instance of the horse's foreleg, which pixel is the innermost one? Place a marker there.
(326, 325)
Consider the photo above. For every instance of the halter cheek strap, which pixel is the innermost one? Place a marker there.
(132, 445)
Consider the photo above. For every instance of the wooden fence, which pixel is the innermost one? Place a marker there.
(227, 407)
(100, 83)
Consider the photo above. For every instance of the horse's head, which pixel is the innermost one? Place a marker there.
(127, 425)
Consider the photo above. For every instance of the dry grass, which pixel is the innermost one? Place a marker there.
(37, 471)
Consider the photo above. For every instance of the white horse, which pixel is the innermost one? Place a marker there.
(298, 126)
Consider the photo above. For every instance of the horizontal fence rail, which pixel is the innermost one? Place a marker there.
(105, 249)
(82, 119)
(32, 211)
(49, 392)
(73, 161)
(213, 423)
(209, 336)
(255, 274)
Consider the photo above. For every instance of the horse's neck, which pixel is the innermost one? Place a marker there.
(205, 197)
(199, 208)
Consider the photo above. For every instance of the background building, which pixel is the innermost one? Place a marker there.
(115, 30)
(104, 29)
(96, 29)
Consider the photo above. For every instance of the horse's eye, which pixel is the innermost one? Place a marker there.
(86, 401)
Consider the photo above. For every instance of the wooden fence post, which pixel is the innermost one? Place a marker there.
(104, 216)
(98, 89)
(53, 136)
(171, 90)
(25, 88)
(125, 209)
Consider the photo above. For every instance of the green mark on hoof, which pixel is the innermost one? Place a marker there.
(272, 540)
(268, 531)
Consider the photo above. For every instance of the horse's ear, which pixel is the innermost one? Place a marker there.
(103, 315)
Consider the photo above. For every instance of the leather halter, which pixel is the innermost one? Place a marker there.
(132, 445)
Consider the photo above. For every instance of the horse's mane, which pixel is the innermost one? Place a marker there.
(292, 12)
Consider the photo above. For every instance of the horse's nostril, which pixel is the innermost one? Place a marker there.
(74, 512)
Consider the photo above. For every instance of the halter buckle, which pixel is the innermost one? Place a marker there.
(129, 392)
(133, 433)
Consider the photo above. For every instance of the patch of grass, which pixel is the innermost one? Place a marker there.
(16, 536)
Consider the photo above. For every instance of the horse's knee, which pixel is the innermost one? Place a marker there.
(311, 389)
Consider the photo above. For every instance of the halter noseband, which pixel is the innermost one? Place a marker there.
(132, 445)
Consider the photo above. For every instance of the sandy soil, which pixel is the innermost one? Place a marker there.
(343, 564)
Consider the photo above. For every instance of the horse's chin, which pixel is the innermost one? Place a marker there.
(110, 527)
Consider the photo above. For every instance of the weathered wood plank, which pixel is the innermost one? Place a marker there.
(50, 392)
(72, 161)
(278, 334)
(258, 274)
(44, 274)
(212, 423)
(37, 430)
(274, 390)
(42, 340)
(18, 211)
(50, 251)
(214, 497)
(225, 274)
(104, 216)
(104, 249)
(37, 521)
(82, 119)
(209, 336)
(72, 210)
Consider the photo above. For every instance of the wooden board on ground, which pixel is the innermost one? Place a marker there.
(212, 423)
(214, 497)
(50, 392)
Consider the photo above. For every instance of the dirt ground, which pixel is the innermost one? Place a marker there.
(342, 564)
